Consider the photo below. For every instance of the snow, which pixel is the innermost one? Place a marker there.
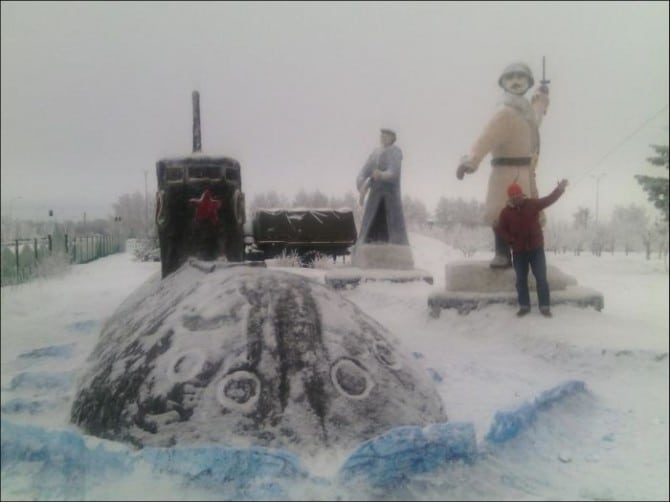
(572, 407)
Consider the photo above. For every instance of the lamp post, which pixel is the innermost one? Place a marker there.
(146, 201)
(598, 194)
(11, 214)
(11, 204)
(52, 228)
(117, 228)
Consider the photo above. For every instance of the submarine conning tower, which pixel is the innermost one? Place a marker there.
(200, 206)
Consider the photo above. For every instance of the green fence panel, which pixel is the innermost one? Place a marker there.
(20, 257)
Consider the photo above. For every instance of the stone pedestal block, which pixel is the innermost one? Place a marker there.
(378, 262)
(478, 276)
(466, 301)
(352, 277)
(384, 256)
(471, 285)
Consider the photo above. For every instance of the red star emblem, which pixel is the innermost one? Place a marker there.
(207, 208)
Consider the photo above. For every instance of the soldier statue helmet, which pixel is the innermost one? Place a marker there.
(519, 68)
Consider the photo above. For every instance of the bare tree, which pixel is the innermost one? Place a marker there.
(415, 212)
(582, 217)
(266, 200)
(631, 227)
(468, 239)
(556, 236)
(131, 210)
(310, 200)
(450, 212)
(598, 238)
(348, 201)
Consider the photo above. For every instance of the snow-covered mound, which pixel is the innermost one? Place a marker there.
(217, 354)
(63, 465)
(538, 433)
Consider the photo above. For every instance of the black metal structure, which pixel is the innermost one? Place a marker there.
(306, 232)
(200, 206)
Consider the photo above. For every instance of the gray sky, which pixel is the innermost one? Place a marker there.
(94, 93)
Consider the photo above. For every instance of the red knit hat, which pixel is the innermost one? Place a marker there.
(514, 190)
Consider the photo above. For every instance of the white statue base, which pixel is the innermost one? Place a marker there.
(378, 262)
(473, 276)
(385, 256)
(471, 285)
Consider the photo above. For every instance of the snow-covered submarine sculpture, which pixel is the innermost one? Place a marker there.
(241, 355)
(218, 350)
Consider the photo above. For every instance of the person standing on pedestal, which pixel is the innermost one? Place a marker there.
(383, 220)
(512, 137)
(519, 226)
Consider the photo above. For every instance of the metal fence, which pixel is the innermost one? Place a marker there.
(22, 258)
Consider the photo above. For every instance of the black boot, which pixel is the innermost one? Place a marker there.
(503, 257)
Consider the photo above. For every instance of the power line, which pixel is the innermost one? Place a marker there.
(619, 144)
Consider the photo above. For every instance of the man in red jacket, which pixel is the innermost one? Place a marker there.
(519, 225)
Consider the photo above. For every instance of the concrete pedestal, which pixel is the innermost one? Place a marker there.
(378, 262)
(352, 277)
(382, 256)
(471, 285)
(478, 276)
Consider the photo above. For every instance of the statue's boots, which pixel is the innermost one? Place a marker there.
(503, 257)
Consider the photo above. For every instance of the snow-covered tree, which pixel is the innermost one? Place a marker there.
(450, 212)
(599, 238)
(657, 187)
(661, 232)
(579, 235)
(314, 199)
(556, 236)
(468, 239)
(132, 209)
(415, 212)
(349, 201)
(266, 200)
(582, 217)
(631, 227)
(610, 238)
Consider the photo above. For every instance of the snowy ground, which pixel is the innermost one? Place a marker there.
(611, 445)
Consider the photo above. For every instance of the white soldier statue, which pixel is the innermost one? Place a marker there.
(513, 140)
(383, 219)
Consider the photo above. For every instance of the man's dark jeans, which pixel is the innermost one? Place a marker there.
(538, 265)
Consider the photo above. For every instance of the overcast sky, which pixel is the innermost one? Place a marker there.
(94, 93)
